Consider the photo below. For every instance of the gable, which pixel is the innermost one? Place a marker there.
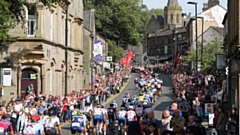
(214, 14)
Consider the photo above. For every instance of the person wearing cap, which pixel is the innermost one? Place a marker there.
(202, 129)
(6, 125)
(34, 126)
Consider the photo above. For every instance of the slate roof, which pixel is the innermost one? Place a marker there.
(218, 29)
(160, 19)
(86, 18)
(165, 32)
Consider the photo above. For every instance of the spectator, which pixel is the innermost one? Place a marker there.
(198, 122)
(177, 121)
(233, 123)
(151, 119)
(222, 121)
(166, 121)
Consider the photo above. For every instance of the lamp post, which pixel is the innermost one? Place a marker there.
(66, 51)
(92, 58)
(195, 3)
(202, 18)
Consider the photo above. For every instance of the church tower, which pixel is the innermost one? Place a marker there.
(172, 14)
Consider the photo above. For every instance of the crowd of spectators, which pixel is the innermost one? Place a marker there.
(104, 86)
(192, 92)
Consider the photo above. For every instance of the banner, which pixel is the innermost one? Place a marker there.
(123, 61)
(221, 61)
(129, 58)
(97, 51)
(178, 61)
(7, 76)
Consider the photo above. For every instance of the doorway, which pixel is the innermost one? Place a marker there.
(29, 76)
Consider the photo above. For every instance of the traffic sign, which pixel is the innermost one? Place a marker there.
(109, 58)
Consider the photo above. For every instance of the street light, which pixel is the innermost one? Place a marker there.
(66, 51)
(195, 3)
(202, 18)
(92, 62)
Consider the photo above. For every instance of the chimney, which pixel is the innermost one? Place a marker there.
(205, 6)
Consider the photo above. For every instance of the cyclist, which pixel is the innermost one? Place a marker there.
(139, 111)
(131, 115)
(128, 94)
(88, 112)
(78, 124)
(111, 115)
(5, 125)
(105, 118)
(114, 104)
(122, 118)
(98, 117)
(50, 123)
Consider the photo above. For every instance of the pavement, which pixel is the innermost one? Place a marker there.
(160, 105)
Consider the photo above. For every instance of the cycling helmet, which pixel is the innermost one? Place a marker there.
(103, 106)
(130, 107)
(123, 108)
(113, 101)
(111, 105)
(79, 113)
(51, 112)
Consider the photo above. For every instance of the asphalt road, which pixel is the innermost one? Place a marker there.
(160, 105)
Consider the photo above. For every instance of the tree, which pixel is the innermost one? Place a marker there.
(121, 20)
(156, 11)
(12, 13)
(115, 51)
(208, 59)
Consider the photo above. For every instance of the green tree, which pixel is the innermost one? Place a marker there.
(156, 11)
(123, 21)
(115, 51)
(11, 14)
(208, 59)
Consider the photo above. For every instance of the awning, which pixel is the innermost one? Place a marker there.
(165, 57)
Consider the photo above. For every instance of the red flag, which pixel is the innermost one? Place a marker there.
(123, 61)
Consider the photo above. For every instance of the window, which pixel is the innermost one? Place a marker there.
(165, 49)
(171, 18)
(169, 39)
(31, 21)
(177, 18)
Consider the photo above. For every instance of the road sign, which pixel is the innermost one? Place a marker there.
(109, 58)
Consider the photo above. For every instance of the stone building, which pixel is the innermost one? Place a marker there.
(38, 55)
(160, 44)
(232, 38)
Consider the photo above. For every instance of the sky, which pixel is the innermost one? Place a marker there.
(185, 7)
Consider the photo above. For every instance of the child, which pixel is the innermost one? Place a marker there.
(152, 129)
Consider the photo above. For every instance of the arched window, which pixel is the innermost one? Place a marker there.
(177, 18)
(171, 18)
(26, 73)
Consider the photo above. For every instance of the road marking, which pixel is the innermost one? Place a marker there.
(65, 124)
(121, 90)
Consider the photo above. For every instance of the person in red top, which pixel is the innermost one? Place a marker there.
(65, 108)
(6, 125)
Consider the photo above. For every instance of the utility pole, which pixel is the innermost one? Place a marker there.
(66, 52)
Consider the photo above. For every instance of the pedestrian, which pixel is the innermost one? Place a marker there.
(233, 123)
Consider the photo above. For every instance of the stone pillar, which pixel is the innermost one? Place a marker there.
(19, 77)
(39, 8)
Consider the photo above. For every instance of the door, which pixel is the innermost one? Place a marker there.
(29, 77)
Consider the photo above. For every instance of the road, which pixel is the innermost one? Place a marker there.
(161, 103)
